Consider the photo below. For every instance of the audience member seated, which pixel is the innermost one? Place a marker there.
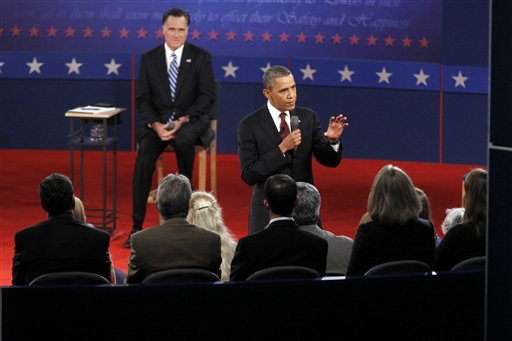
(454, 216)
(306, 214)
(426, 210)
(468, 239)
(392, 229)
(116, 275)
(281, 242)
(176, 243)
(204, 211)
(60, 243)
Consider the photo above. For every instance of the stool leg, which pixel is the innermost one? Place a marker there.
(202, 169)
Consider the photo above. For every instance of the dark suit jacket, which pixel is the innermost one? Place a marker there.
(195, 88)
(376, 243)
(175, 244)
(459, 243)
(59, 244)
(281, 243)
(260, 157)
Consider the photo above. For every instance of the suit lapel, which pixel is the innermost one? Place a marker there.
(268, 126)
(161, 67)
(185, 63)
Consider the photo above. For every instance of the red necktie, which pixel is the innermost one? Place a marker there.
(284, 130)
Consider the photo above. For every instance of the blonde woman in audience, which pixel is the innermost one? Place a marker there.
(79, 211)
(205, 212)
(392, 229)
(468, 239)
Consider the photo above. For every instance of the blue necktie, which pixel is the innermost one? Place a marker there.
(173, 75)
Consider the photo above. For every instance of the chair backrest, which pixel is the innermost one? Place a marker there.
(474, 263)
(69, 278)
(399, 267)
(284, 272)
(181, 275)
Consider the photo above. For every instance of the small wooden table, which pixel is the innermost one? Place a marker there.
(80, 137)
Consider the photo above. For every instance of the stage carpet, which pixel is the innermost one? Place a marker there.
(344, 193)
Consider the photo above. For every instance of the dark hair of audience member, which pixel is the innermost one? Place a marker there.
(393, 199)
(173, 196)
(56, 193)
(426, 210)
(307, 211)
(474, 200)
(281, 194)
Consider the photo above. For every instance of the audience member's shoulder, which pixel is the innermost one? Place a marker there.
(423, 223)
(459, 229)
(311, 236)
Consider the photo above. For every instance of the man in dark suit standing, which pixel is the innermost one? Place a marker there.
(281, 242)
(175, 243)
(60, 243)
(266, 146)
(175, 94)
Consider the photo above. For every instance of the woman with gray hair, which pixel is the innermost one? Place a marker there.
(393, 230)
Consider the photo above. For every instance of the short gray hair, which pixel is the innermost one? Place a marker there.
(276, 71)
(173, 196)
(307, 211)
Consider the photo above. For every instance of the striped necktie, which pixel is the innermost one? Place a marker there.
(173, 75)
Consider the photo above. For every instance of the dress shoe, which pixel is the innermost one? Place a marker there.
(128, 242)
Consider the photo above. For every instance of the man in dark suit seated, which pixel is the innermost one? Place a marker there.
(60, 243)
(281, 138)
(281, 242)
(175, 95)
(175, 243)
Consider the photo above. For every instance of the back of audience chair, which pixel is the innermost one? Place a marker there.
(284, 272)
(181, 275)
(69, 278)
(399, 267)
(474, 263)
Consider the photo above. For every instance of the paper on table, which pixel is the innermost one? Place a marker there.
(91, 109)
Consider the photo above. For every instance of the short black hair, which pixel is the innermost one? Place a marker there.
(281, 194)
(176, 12)
(56, 193)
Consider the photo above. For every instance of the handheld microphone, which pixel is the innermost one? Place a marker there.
(170, 125)
(294, 124)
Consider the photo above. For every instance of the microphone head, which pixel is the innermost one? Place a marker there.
(170, 125)
(294, 122)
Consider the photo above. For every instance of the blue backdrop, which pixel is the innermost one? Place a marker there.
(411, 75)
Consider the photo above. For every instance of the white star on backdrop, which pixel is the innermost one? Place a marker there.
(421, 78)
(112, 67)
(346, 74)
(384, 75)
(265, 68)
(1, 64)
(73, 67)
(308, 73)
(460, 80)
(34, 66)
(230, 70)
